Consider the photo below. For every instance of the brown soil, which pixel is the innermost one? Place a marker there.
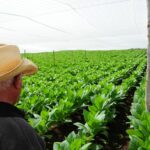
(59, 132)
(118, 138)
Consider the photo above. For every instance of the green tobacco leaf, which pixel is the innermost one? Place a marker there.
(86, 146)
(80, 126)
(71, 137)
(57, 146)
(100, 116)
(65, 145)
(86, 115)
(35, 121)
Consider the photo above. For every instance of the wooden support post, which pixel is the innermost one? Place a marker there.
(148, 61)
(85, 55)
(24, 53)
(54, 58)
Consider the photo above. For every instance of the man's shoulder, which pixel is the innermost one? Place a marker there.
(11, 124)
(16, 128)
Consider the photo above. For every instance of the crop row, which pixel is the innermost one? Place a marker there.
(70, 82)
(99, 114)
(75, 99)
(140, 129)
(50, 87)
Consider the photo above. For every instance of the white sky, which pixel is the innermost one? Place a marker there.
(45, 25)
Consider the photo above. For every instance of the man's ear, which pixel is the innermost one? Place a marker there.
(17, 82)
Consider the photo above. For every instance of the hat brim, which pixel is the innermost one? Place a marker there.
(26, 67)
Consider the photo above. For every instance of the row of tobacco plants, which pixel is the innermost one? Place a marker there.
(140, 121)
(73, 97)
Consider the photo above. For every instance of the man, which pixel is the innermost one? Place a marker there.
(15, 132)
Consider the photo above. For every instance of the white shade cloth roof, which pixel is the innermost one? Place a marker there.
(45, 25)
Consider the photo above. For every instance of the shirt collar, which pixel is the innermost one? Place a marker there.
(8, 110)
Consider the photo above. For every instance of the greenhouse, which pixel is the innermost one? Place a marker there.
(75, 75)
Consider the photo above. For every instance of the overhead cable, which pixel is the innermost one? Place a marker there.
(87, 6)
(7, 29)
(29, 34)
(75, 10)
(35, 21)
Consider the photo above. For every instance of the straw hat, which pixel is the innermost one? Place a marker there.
(11, 63)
